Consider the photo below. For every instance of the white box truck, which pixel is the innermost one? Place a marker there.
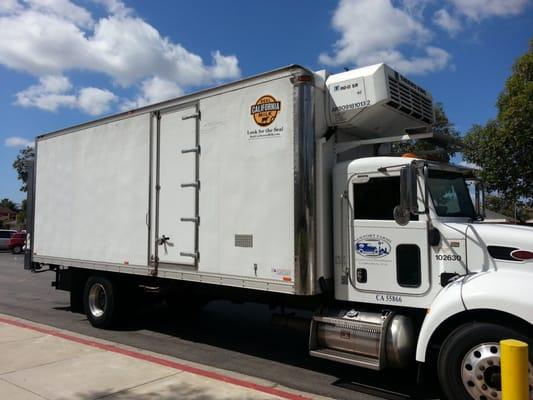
(281, 188)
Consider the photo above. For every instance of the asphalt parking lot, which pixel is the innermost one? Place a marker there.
(239, 338)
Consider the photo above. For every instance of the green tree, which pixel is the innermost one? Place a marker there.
(503, 147)
(8, 204)
(442, 147)
(20, 165)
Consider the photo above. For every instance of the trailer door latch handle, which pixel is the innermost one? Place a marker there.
(162, 240)
(191, 150)
(192, 184)
(195, 115)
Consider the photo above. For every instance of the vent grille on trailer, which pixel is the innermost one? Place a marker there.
(409, 100)
(244, 240)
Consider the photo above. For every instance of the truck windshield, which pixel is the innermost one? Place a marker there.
(450, 194)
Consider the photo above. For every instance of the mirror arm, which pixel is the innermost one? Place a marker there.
(402, 212)
(426, 189)
(425, 170)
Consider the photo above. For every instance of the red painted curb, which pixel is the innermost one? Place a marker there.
(157, 360)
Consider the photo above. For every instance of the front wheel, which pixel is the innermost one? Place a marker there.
(100, 301)
(469, 362)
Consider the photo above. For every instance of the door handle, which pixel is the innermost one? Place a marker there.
(162, 240)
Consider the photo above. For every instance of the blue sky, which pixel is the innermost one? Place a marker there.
(63, 62)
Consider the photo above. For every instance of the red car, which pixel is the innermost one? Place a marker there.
(17, 242)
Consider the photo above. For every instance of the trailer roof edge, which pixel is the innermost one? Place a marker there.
(167, 103)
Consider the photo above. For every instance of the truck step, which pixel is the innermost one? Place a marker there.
(346, 358)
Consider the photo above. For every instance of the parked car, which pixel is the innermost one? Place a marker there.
(17, 242)
(5, 235)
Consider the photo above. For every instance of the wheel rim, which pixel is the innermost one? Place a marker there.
(480, 372)
(97, 300)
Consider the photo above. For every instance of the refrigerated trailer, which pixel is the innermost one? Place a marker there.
(283, 188)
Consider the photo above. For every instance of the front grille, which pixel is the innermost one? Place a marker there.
(410, 99)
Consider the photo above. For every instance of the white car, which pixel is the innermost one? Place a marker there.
(5, 235)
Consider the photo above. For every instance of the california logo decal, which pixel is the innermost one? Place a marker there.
(265, 110)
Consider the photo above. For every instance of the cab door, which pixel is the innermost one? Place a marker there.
(387, 257)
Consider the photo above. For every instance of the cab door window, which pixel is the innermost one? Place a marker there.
(376, 199)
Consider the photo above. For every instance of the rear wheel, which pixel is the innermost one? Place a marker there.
(469, 362)
(100, 301)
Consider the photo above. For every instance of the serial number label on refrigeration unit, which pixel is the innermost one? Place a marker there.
(351, 106)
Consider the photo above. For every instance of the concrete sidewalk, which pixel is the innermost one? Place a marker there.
(40, 362)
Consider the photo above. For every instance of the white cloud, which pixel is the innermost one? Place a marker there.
(49, 94)
(434, 59)
(415, 8)
(95, 101)
(63, 9)
(17, 141)
(481, 9)
(51, 37)
(115, 7)
(446, 21)
(55, 91)
(9, 6)
(373, 30)
(224, 66)
(153, 90)
(42, 44)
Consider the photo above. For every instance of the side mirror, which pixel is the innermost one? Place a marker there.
(401, 215)
(408, 198)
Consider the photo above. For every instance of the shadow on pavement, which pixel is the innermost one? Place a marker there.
(246, 329)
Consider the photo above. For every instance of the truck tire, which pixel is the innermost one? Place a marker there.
(100, 301)
(469, 361)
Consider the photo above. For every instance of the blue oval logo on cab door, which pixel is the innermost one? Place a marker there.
(373, 246)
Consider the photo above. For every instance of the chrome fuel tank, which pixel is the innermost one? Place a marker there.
(368, 339)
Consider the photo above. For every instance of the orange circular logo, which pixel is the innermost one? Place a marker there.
(265, 110)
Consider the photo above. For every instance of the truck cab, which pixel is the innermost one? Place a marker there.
(392, 229)
(416, 265)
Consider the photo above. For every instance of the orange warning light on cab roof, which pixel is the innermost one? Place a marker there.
(410, 155)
